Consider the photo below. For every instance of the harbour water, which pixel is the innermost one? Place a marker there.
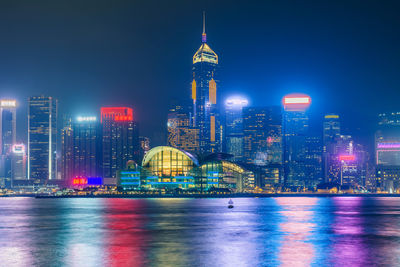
(283, 231)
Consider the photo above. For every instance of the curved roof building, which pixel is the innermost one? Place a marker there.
(165, 167)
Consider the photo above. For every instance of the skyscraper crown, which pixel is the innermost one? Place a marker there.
(205, 53)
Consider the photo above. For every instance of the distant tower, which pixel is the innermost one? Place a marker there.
(331, 135)
(295, 130)
(204, 96)
(120, 139)
(262, 128)
(8, 122)
(42, 138)
(81, 148)
(234, 126)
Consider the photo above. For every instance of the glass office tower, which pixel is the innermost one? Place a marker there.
(8, 122)
(120, 139)
(234, 126)
(204, 95)
(295, 130)
(42, 138)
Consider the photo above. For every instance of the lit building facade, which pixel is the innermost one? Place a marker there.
(313, 161)
(169, 168)
(387, 152)
(262, 129)
(295, 130)
(8, 125)
(331, 134)
(181, 134)
(234, 126)
(82, 148)
(204, 96)
(120, 139)
(42, 138)
(18, 162)
(8, 122)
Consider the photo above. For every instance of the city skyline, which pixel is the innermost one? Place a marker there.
(310, 61)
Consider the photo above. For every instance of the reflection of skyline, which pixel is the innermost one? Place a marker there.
(349, 246)
(125, 238)
(297, 226)
(233, 237)
(291, 231)
(15, 229)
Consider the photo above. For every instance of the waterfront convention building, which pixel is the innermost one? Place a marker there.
(165, 167)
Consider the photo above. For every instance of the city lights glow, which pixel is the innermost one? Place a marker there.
(331, 116)
(81, 180)
(347, 157)
(388, 145)
(18, 148)
(8, 103)
(297, 100)
(86, 119)
(236, 102)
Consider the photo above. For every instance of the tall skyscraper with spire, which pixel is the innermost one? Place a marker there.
(204, 95)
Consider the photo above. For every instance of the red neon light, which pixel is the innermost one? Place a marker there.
(347, 157)
(79, 181)
(117, 113)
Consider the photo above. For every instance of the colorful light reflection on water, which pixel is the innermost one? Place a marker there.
(290, 231)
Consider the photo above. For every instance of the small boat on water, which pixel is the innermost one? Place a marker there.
(230, 204)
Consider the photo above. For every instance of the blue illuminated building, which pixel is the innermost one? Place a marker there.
(42, 138)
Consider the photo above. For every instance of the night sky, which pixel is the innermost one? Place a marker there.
(88, 54)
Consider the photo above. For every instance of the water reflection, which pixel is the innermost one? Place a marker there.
(296, 226)
(342, 231)
(125, 238)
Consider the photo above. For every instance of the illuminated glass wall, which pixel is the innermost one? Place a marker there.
(42, 138)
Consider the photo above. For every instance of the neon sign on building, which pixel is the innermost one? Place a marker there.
(83, 181)
(347, 157)
(296, 102)
(8, 103)
(116, 114)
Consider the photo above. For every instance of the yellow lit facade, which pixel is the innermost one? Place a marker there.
(212, 91)
(194, 90)
(212, 129)
(205, 54)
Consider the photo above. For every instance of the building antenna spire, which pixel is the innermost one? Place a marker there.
(204, 36)
(204, 22)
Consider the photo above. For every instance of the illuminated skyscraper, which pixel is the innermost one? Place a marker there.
(234, 126)
(67, 150)
(331, 134)
(42, 138)
(180, 133)
(295, 130)
(8, 125)
(120, 139)
(262, 127)
(387, 152)
(82, 151)
(8, 122)
(313, 160)
(204, 95)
